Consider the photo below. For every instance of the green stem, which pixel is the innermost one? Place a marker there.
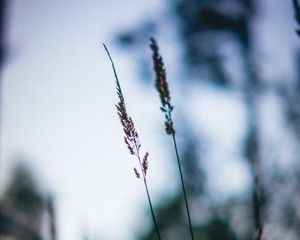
(147, 191)
(152, 211)
(183, 187)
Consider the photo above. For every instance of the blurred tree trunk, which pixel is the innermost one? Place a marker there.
(3, 21)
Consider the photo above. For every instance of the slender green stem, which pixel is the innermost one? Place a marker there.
(133, 137)
(152, 211)
(183, 187)
(166, 107)
(148, 194)
(256, 198)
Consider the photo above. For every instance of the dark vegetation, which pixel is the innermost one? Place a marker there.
(270, 208)
(204, 29)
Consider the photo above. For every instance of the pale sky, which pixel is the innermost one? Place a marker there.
(59, 114)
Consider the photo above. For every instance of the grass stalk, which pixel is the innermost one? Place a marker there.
(183, 186)
(257, 205)
(131, 139)
(258, 225)
(164, 94)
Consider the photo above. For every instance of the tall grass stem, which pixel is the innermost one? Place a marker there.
(183, 186)
(161, 85)
(132, 140)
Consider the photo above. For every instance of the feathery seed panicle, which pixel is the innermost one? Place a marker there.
(145, 163)
(131, 137)
(161, 82)
(163, 90)
(162, 86)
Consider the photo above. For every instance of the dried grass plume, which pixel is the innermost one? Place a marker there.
(131, 137)
(162, 86)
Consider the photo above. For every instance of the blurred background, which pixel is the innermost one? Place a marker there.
(233, 71)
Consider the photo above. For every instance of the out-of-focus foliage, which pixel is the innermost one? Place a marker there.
(21, 207)
(25, 213)
(204, 29)
(173, 225)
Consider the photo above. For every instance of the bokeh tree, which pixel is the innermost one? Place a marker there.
(25, 212)
(21, 207)
(213, 35)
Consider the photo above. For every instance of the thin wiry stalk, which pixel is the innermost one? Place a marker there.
(257, 201)
(164, 94)
(257, 211)
(131, 139)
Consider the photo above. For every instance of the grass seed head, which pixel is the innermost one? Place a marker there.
(131, 137)
(137, 174)
(162, 87)
(145, 163)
